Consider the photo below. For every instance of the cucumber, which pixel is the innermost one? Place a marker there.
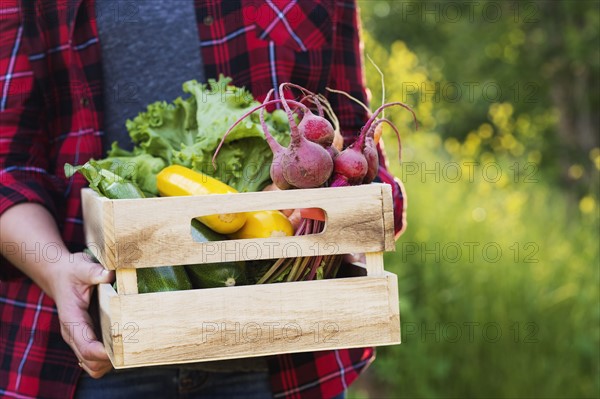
(159, 279)
(213, 275)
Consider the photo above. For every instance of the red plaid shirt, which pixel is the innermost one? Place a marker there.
(51, 112)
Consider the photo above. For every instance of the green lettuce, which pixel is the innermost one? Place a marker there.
(187, 132)
(164, 127)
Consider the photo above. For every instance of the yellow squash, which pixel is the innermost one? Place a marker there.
(176, 180)
(264, 224)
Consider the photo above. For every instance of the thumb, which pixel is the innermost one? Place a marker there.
(102, 275)
(95, 273)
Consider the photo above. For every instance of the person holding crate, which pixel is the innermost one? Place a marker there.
(61, 102)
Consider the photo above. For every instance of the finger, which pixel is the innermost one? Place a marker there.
(93, 356)
(93, 351)
(93, 273)
(313, 213)
(79, 334)
(88, 345)
(86, 350)
(96, 370)
(355, 258)
(287, 212)
(271, 187)
(295, 219)
(90, 352)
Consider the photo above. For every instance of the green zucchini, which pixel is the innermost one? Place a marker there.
(213, 275)
(202, 233)
(159, 279)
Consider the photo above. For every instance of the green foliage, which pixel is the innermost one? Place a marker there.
(499, 267)
(498, 286)
(541, 57)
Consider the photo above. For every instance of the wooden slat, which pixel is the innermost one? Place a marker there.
(227, 323)
(93, 226)
(374, 263)
(394, 309)
(98, 225)
(110, 316)
(156, 231)
(388, 217)
(126, 281)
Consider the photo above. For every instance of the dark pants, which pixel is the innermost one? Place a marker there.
(162, 382)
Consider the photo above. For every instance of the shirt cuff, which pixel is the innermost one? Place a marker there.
(25, 186)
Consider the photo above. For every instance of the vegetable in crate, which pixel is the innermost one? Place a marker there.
(112, 186)
(303, 164)
(312, 161)
(137, 166)
(264, 224)
(105, 182)
(212, 275)
(187, 131)
(177, 180)
(165, 278)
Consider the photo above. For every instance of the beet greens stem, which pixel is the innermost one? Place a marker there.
(271, 270)
(356, 100)
(384, 106)
(262, 113)
(297, 262)
(316, 262)
(384, 120)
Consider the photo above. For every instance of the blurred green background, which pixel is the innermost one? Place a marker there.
(499, 267)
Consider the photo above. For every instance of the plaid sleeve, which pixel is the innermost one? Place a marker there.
(347, 74)
(23, 144)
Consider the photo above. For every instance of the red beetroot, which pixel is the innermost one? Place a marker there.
(303, 164)
(276, 171)
(349, 167)
(370, 150)
(314, 127)
(372, 158)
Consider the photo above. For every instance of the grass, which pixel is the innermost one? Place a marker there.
(498, 287)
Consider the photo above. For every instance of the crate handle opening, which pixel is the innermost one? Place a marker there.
(260, 224)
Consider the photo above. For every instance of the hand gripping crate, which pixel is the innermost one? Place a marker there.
(254, 320)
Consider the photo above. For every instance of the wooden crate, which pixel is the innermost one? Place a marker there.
(255, 320)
